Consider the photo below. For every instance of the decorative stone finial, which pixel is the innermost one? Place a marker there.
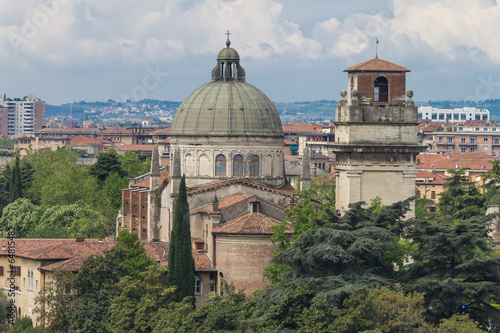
(343, 94)
(355, 93)
(409, 93)
(409, 101)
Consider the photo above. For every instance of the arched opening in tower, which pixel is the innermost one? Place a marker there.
(381, 90)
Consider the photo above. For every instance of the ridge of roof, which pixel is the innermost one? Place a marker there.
(376, 65)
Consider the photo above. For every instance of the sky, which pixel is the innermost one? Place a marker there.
(293, 50)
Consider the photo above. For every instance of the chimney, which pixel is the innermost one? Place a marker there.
(215, 204)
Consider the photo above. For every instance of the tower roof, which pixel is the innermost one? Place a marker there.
(376, 65)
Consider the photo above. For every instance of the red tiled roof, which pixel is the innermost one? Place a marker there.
(429, 178)
(285, 188)
(458, 163)
(290, 143)
(302, 128)
(250, 223)
(167, 140)
(427, 158)
(135, 148)
(80, 140)
(223, 203)
(162, 131)
(376, 65)
(476, 155)
(116, 130)
(145, 183)
(202, 262)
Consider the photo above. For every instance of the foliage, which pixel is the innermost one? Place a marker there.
(25, 325)
(180, 257)
(461, 199)
(107, 164)
(135, 309)
(7, 143)
(112, 189)
(304, 216)
(20, 216)
(93, 288)
(5, 175)
(343, 253)
(453, 265)
(71, 221)
(16, 186)
(54, 303)
(135, 259)
(132, 164)
(4, 312)
(59, 180)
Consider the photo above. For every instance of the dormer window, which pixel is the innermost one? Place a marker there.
(254, 206)
(381, 90)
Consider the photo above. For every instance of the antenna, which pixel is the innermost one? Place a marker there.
(376, 48)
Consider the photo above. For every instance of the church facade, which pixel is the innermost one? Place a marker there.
(227, 140)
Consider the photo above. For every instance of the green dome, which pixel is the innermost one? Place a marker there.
(227, 106)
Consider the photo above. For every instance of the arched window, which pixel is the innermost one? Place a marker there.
(254, 165)
(381, 90)
(220, 165)
(238, 165)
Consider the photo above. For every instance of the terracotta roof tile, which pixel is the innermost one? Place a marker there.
(116, 130)
(426, 158)
(290, 143)
(250, 223)
(285, 188)
(145, 183)
(475, 155)
(223, 203)
(456, 164)
(163, 131)
(302, 128)
(376, 65)
(135, 148)
(82, 140)
(426, 177)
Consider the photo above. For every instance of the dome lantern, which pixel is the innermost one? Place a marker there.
(228, 64)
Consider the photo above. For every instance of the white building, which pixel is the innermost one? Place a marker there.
(20, 117)
(452, 115)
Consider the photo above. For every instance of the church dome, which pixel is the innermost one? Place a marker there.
(227, 106)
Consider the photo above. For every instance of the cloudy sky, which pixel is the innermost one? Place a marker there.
(293, 50)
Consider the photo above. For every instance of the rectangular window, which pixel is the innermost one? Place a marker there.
(460, 128)
(451, 139)
(448, 116)
(463, 116)
(1, 270)
(485, 117)
(472, 140)
(197, 285)
(463, 140)
(434, 116)
(472, 149)
(440, 139)
(485, 140)
(462, 150)
(433, 194)
(455, 116)
(441, 116)
(477, 128)
(478, 117)
(494, 129)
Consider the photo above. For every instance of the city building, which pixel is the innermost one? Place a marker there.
(24, 116)
(453, 115)
(376, 136)
(227, 139)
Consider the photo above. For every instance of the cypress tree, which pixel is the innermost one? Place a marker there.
(180, 257)
(16, 186)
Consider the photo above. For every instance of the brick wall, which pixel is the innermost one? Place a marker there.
(397, 85)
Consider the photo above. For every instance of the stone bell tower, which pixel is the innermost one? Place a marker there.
(376, 136)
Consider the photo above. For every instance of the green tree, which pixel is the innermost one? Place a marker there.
(5, 175)
(344, 253)
(180, 257)
(21, 216)
(112, 189)
(16, 186)
(461, 198)
(140, 300)
(4, 312)
(453, 264)
(135, 257)
(132, 164)
(107, 164)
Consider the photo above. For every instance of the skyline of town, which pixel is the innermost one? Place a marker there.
(62, 51)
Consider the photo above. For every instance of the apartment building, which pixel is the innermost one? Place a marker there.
(21, 116)
(470, 137)
(460, 115)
